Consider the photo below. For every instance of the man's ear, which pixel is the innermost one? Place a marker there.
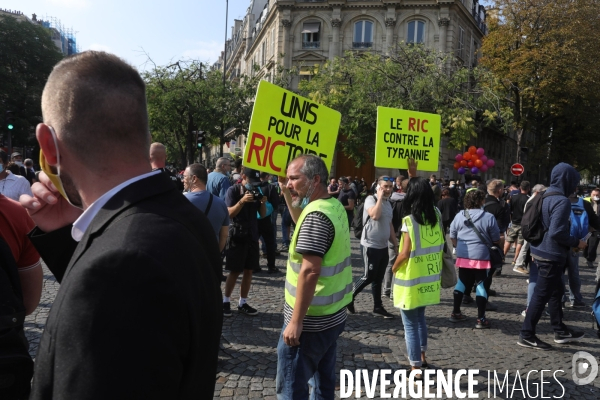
(47, 144)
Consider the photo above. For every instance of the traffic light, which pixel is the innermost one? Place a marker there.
(200, 139)
(9, 120)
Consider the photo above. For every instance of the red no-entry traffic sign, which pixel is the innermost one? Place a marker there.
(517, 169)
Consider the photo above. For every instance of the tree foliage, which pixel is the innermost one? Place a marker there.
(544, 55)
(412, 77)
(27, 55)
(187, 96)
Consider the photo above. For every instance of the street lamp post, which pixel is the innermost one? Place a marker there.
(222, 138)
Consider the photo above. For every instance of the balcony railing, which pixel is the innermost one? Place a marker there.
(362, 45)
(311, 45)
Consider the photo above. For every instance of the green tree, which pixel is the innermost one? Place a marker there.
(187, 96)
(27, 55)
(544, 56)
(412, 77)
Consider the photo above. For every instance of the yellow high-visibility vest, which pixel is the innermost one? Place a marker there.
(334, 287)
(417, 282)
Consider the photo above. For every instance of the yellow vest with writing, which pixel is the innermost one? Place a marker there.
(334, 287)
(417, 282)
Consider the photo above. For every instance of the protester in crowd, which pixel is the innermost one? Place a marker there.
(11, 185)
(499, 209)
(333, 189)
(448, 206)
(17, 159)
(396, 200)
(347, 197)
(318, 284)
(265, 225)
(236, 174)
(473, 254)
(218, 180)
(589, 253)
(514, 234)
(581, 211)
(195, 177)
(550, 257)
(244, 202)
(377, 231)
(416, 281)
(158, 160)
(29, 171)
(138, 250)
(398, 184)
(353, 187)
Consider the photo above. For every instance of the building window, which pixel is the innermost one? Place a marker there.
(273, 42)
(311, 35)
(461, 43)
(416, 32)
(264, 53)
(363, 35)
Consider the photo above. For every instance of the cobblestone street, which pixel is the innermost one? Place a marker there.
(248, 360)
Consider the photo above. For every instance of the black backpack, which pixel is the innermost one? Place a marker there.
(532, 228)
(16, 365)
(358, 220)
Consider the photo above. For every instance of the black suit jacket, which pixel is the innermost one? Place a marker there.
(138, 314)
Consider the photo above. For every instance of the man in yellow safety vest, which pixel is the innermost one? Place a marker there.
(318, 283)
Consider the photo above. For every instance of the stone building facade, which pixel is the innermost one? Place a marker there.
(304, 33)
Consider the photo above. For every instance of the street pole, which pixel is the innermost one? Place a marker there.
(221, 139)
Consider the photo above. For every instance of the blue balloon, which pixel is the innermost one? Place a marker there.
(462, 170)
(474, 170)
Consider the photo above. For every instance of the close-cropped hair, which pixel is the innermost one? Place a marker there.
(96, 102)
(199, 171)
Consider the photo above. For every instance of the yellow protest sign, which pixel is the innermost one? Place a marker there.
(284, 126)
(402, 134)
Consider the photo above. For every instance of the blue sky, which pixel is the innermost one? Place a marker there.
(166, 30)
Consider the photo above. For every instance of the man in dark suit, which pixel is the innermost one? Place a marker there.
(138, 314)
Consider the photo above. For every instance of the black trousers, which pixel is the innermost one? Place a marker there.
(265, 229)
(590, 251)
(376, 261)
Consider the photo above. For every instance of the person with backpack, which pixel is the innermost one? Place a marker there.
(590, 252)
(514, 234)
(583, 220)
(265, 224)
(545, 225)
(499, 209)
(395, 200)
(377, 231)
(347, 197)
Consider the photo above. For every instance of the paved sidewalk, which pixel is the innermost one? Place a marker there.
(247, 363)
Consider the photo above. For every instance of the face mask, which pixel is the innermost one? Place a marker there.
(306, 198)
(1, 168)
(19, 163)
(54, 172)
(248, 186)
(596, 198)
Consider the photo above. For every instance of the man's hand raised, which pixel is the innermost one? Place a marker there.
(48, 209)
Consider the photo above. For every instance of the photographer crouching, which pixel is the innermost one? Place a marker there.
(243, 201)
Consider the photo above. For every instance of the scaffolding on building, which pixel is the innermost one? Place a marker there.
(66, 36)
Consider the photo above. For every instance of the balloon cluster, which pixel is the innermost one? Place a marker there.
(473, 160)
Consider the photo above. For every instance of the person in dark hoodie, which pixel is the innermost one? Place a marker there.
(551, 258)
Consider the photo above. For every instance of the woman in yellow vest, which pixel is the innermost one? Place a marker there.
(417, 267)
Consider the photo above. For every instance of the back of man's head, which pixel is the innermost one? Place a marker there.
(495, 187)
(158, 155)
(97, 105)
(28, 162)
(221, 162)
(199, 171)
(525, 186)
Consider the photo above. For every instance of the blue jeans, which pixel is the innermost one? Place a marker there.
(548, 289)
(313, 361)
(274, 222)
(573, 279)
(533, 277)
(415, 333)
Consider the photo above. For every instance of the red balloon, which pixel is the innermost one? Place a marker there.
(470, 164)
(478, 163)
(463, 163)
(467, 156)
(456, 165)
(473, 150)
(458, 157)
(474, 157)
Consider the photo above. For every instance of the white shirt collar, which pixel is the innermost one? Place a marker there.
(85, 219)
(10, 176)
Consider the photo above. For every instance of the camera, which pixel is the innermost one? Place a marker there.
(256, 193)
